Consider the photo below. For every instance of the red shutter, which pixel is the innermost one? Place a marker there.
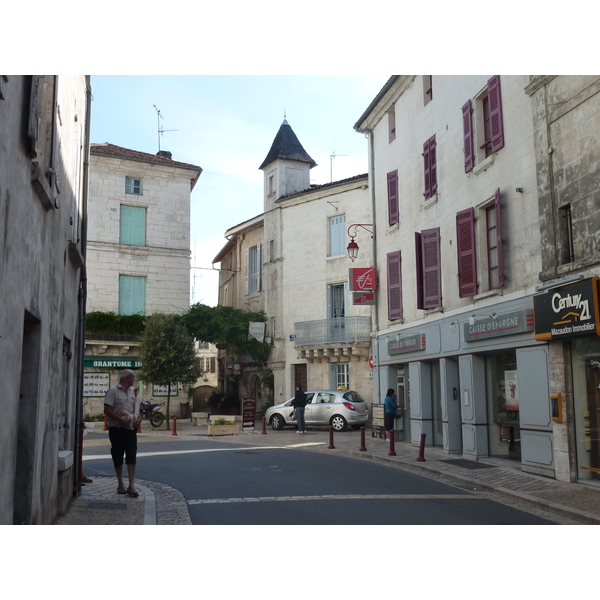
(499, 239)
(432, 276)
(419, 269)
(467, 111)
(394, 272)
(427, 170)
(433, 166)
(393, 209)
(495, 101)
(465, 242)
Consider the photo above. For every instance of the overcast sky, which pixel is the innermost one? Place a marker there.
(226, 125)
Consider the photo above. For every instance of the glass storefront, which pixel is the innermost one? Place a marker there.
(503, 404)
(586, 398)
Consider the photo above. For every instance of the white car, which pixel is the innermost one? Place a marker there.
(334, 408)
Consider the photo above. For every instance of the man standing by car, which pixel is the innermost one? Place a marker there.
(299, 404)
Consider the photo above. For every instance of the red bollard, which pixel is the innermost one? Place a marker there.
(362, 448)
(392, 451)
(264, 426)
(105, 423)
(331, 446)
(174, 426)
(421, 457)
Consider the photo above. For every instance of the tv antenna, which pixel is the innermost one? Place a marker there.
(161, 131)
(331, 157)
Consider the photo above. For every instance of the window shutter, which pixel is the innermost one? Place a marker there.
(132, 225)
(496, 113)
(261, 267)
(419, 269)
(394, 272)
(427, 170)
(467, 111)
(393, 210)
(433, 166)
(499, 239)
(132, 295)
(432, 276)
(430, 167)
(212, 364)
(465, 241)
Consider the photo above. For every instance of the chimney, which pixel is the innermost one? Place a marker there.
(164, 154)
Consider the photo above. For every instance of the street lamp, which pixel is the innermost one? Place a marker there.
(353, 246)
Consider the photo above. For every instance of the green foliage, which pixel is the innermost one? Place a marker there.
(110, 321)
(227, 325)
(268, 381)
(222, 421)
(167, 351)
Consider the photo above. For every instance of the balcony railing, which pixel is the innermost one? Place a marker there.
(348, 330)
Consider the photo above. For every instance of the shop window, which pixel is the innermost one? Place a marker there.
(502, 381)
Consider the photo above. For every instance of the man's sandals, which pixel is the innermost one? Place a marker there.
(130, 492)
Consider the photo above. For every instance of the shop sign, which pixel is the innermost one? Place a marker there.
(363, 280)
(519, 321)
(112, 362)
(568, 311)
(410, 343)
(363, 298)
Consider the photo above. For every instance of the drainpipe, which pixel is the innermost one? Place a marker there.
(78, 454)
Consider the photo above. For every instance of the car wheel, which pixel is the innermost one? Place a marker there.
(338, 423)
(277, 422)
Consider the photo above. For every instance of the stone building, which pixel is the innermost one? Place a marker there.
(294, 266)
(44, 142)
(458, 254)
(566, 121)
(138, 255)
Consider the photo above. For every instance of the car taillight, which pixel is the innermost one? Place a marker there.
(349, 406)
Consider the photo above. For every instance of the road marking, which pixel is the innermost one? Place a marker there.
(336, 497)
(201, 450)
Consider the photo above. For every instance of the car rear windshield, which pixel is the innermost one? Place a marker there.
(353, 397)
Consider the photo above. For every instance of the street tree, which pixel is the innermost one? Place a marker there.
(167, 353)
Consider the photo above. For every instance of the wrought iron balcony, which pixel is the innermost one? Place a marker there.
(348, 330)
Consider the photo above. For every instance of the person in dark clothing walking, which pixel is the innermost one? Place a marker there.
(299, 404)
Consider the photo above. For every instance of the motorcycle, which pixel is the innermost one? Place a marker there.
(149, 411)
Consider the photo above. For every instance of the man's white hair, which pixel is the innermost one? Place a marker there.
(125, 373)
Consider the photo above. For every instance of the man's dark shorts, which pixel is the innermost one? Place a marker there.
(123, 442)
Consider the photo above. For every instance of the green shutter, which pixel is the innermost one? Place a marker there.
(133, 225)
(132, 295)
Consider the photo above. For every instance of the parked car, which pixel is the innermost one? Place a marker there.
(325, 407)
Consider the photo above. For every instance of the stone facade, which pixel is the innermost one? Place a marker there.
(43, 143)
(159, 255)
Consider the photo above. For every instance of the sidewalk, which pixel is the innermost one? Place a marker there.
(569, 503)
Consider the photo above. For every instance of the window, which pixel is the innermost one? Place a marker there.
(340, 379)
(337, 235)
(392, 188)
(489, 131)
(428, 264)
(392, 123)
(465, 242)
(567, 253)
(255, 269)
(427, 89)
(430, 166)
(272, 250)
(494, 244)
(133, 186)
(132, 226)
(271, 184)
(394, 274)
(337, 301)
(273, 327)
(132, 295)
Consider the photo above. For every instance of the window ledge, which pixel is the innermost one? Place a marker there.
(42, 187)
(336, 257)
(483, 165)
(392, 228)
(75, 255)
(433, 311)
(489, 294)
(395, 322)
(431, 201)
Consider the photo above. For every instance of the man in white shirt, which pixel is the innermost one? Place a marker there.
(123, 419)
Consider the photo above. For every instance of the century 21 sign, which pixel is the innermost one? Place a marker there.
(568, 311)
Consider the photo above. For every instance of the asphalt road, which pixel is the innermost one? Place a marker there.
(227, 484)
